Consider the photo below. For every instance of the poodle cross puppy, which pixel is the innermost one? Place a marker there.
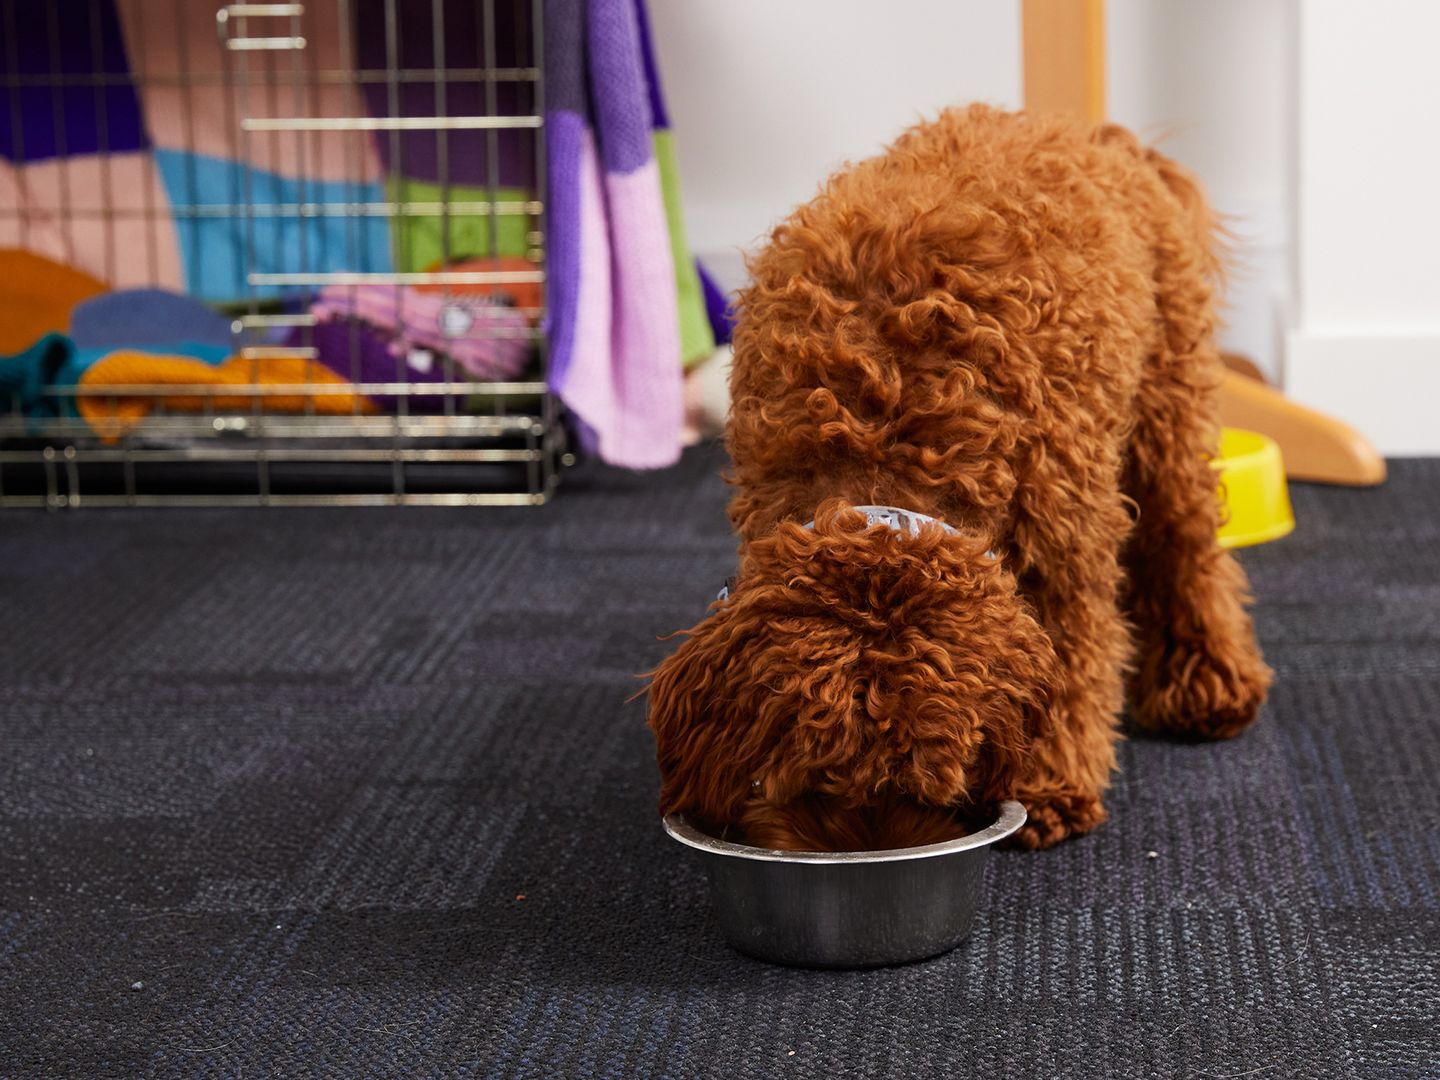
(1001, 332)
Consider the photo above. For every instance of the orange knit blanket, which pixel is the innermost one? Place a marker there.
(304, 386)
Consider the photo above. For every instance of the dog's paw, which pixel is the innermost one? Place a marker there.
(1200, 692)
(1057, 817)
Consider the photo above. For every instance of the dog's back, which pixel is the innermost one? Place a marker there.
(941, 320)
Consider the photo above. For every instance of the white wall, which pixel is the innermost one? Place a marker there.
(767, 97)
(1366, 340)
(1211, 84)
(1312, 123)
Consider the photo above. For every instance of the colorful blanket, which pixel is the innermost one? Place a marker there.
(36, 381)
(142, 179)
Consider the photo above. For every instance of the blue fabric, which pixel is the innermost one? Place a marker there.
(142, 317)
(60, 38)
(717, 306)
(212, 248)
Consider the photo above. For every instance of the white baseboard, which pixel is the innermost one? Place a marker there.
(1386, 385)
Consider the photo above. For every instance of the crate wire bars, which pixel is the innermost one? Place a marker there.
(485, 442)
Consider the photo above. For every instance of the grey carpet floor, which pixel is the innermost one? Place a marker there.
(302, 793)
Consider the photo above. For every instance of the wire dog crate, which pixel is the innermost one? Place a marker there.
(355, 186)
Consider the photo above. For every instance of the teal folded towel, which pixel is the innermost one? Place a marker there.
(55, 361)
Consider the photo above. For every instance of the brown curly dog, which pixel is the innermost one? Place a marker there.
(1005, 322)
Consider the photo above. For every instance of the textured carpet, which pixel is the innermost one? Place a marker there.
(321, 793)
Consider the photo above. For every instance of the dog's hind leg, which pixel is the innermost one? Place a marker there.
(1198, 669)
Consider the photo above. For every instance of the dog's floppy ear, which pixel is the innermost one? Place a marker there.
(927, 674)
(853, 664)
(1000, 676)
(706, 744)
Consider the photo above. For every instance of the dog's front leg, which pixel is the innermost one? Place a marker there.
(1064, 779)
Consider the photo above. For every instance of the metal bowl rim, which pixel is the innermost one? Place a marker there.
(1010, 817)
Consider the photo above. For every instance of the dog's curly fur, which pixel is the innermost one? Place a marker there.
(1005, 322)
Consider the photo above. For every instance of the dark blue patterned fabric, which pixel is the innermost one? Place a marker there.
(359, 793)
(41, 46)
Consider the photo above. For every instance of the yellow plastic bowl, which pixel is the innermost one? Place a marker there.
(1254, 500)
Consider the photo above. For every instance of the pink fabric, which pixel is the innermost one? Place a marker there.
(487, 340)
(624, 382)
(204, 116)
(64, 201)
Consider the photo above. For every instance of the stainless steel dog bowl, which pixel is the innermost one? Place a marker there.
(846, 909)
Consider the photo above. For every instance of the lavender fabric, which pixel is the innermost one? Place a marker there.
(614, 329)
(564, 139)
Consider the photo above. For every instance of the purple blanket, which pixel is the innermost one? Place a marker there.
(357, 351)
(614, 327)
(488, 341)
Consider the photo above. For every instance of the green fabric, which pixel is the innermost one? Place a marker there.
(417, 239)
(697, 340)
